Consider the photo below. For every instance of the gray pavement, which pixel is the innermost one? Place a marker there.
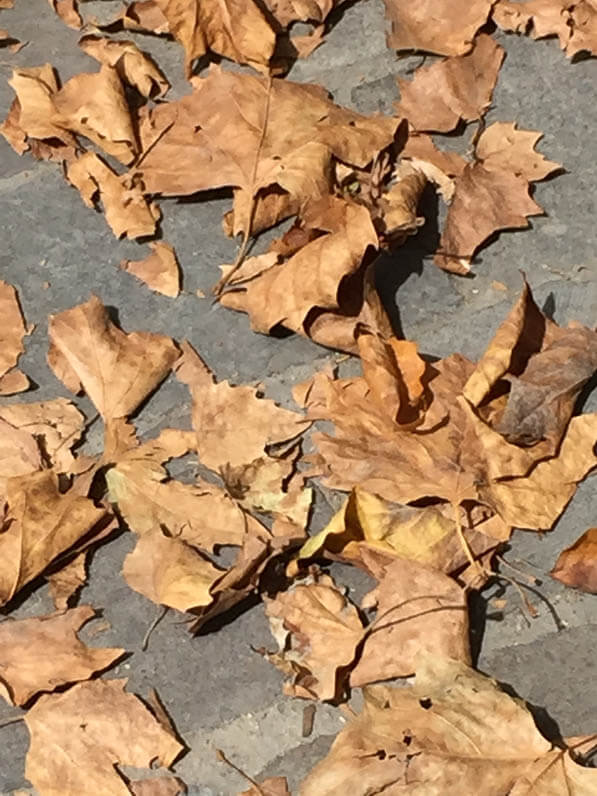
(219, 692)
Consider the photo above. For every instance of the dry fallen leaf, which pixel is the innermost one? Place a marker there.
(40, 523)
(160, 270)
(68, 12)
(574, 23)
(318, 631)
(11, 341)
(234, 426)
(453, 726)
(418, 609)
(458, 88)
(247, 144)
(67, 580)
(133, 66)
(577, 565)
(492, 193)
(158, 786)
(43, 653)
(444, 27)
(127, 210)
(79, 737)
(272, 786)
(235, 29)
(367, 530)
(117, 370)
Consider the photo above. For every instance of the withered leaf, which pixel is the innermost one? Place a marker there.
(492, 193)
(160, 270)
(117, 370)
(187, 147)
(79, 737)
(418, 609)
(68, 12)
(54, 427)
(577, 565)
(30, 124)
(127, 210)
(12, 333)
(93, 104)
(144, 15)
(458, 88)
(546, 365)
(536, 501)
(133, 66)
(453, 725)
(158, 786)
(287, 294)
(43, 653)
(317, 630)
(234, 426)
(170, 572)
(272, 786)
(67, 580)
(201, 514)
(236, 29)
(574, 23)
(39, 523)
(367, 530)
(444, 27)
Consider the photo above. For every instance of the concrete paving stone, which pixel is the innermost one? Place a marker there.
(218, 690)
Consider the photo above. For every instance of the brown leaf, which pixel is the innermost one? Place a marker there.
(536, 501)
(95, 105)
(492, 193)
(144, 15)
(12, 333)
(201, 514)
(437, 26)
(458, 88)
(44, 653)
(160, 270)
(287, 294)
(53, 427)
(577, 565)
(117, 370)
(30, 124)
(546, 365)
(235, 29)
(158, 786)
(317, 630)
(68, 12)
(234, 426)
(272, 786)
(79, 737)
(453, 725)
(247, 144)
(367, 530)
(67, 580)
(127, 210)
(574, 23)
(170, 572)
(418, 609)
(39, 523)
(134, 66)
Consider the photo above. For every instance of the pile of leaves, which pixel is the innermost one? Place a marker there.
(440, 460)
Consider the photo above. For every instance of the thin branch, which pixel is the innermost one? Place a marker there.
(223, 759)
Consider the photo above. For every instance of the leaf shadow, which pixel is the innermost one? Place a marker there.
(393, 268)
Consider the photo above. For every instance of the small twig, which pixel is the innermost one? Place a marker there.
(531, 579)
(308, 719)
(11, 720)
(223, 759)
(153, 625)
